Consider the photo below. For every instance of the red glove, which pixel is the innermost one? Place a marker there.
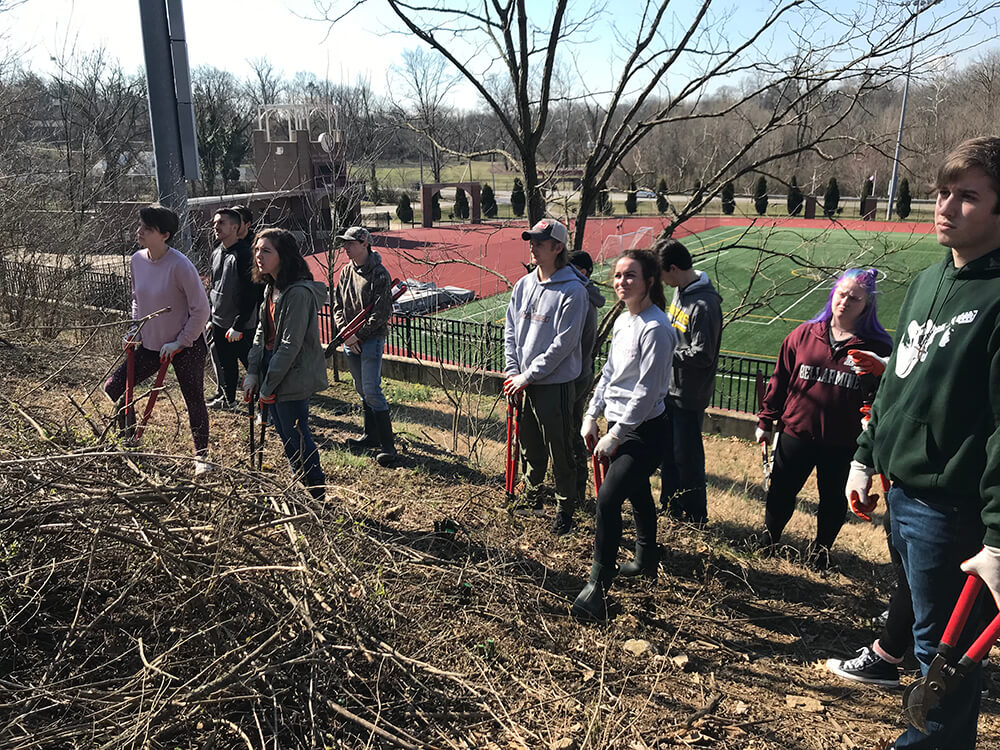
(866, 415)
(859, 483)
(514, 385)
(269, 399)
(865, 363)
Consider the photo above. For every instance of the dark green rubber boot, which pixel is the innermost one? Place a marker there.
(592, 602)
(369, 440)
(646, 563)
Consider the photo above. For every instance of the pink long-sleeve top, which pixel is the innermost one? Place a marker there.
(172, 281)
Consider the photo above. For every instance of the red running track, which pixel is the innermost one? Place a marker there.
(488, 258)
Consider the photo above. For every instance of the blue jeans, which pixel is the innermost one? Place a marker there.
(291, 422)
(933, 539)
(366, 369)
(682, 468)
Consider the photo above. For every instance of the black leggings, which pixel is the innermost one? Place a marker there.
(896, 637)
(637, 457)
(794, 459)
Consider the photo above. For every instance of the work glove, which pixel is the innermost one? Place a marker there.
(864, 362)
(986, 565)
(232, 335)
(250, 386)
(866, 414)
(762, 436)
(514, 385)
(859, 483)
(167, 351)
(269, 399)
(588, 431)
(606, 446)
(131, 338)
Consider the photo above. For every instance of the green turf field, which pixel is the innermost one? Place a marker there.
(792, 278)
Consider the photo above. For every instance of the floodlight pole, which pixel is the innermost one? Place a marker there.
(171, 112)
(902, 120)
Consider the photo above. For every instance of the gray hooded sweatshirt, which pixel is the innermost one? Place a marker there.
(696, 315)
(544, 323)
(298, 368)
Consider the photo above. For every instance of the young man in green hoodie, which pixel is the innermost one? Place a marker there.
(934, 430)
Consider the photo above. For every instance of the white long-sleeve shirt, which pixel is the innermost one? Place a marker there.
(636, 377)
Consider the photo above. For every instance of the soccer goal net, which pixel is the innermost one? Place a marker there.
(615, 244)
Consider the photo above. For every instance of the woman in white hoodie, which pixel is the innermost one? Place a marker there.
(630, 393)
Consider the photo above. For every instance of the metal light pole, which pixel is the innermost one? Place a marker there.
(171, 113)
(902, 120)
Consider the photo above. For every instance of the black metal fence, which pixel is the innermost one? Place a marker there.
(80, 286)
(425, 337)
(480, 346)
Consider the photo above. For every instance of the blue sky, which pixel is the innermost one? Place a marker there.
(226, 33)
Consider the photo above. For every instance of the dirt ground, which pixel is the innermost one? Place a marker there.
(726, 649)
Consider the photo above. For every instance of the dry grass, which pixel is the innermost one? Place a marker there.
(408, 610)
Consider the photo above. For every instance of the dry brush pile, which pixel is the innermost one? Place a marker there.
(140, 609)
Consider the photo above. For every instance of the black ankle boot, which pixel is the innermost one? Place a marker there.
(646, 563)
(592, 602)
(369, 439)
(387, 452)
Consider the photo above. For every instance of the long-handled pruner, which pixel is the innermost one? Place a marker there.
(513, 444)
(598, 464)
(945, 674)
(354, 324)
(127, 414)
(257, 446)
(157, 387)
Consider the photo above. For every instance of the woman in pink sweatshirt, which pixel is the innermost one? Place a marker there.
(163, 277)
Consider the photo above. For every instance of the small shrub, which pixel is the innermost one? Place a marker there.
(728, 196)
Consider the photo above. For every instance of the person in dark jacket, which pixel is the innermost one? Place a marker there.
(934, 430)
(696, 315)
(581, 262)
(816, 395)
(234, 298)
(365, 281)
(286, 364)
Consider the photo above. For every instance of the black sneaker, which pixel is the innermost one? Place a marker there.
(222, 403)
(867, 667)
(563, 524)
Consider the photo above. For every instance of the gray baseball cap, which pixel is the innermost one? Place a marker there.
(356, 233)
(546, 229)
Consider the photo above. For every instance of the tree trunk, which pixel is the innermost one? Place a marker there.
(535, 203)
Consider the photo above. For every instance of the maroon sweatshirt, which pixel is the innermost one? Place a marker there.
(813, 391)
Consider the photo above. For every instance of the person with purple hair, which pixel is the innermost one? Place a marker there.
(816, 395)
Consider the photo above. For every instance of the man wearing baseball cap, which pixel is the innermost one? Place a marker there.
(542, 337)
(365, 281)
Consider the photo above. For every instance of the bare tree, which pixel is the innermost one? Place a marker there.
(423, 82)
(671, 66)
(265, 84)
(103, 124)
(223, 122)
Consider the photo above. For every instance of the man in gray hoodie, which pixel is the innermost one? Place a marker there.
(542, 347)
(696, 314)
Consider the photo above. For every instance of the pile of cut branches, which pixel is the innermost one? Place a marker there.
(138, 608)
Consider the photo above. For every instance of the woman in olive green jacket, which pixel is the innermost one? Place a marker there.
(286, 364)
